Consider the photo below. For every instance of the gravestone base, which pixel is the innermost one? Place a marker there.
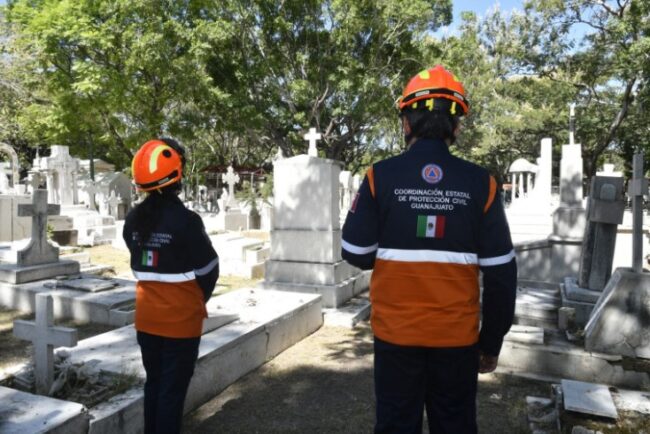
(12, 273)
(309, 272)
(581, 299)
(620, 323)
(333, 295)
(233, 221)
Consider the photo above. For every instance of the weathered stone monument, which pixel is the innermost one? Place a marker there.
(620, 322)
(569, 219)
(231, 217)
(39, 259)
(306, 233)
(45, 337)
(605, 207)
(60, 170)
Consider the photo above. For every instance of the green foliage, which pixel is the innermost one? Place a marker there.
(234, 80)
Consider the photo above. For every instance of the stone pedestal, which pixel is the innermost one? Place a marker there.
(620, 323)
(306, 233)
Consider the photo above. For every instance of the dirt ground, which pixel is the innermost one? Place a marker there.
(324, 384)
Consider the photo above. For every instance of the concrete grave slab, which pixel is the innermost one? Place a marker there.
(620, 322)
(269, 322)
(22, 412)
(525, 334)
(111, 307)
(348, 315)
(558, 358)
(588, 398)
(88, 284)
(12, 273)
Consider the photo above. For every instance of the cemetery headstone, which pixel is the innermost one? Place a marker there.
(39, 259)
(569, 219)
(60, 171)
(45, 337)
(231, 178)
(605, 208)
(39, 250)
(306, 233)
(620, 322)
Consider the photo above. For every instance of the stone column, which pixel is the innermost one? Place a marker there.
(513, 191)
(521, 185)
(569, 219)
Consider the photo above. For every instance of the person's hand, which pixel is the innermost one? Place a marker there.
(487, 363)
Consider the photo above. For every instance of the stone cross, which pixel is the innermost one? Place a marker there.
(231, 178)
(45, 337)
(112, 203)
(90, 188)
(312, 137)
(39, 250)
(605, 208)
(637, 188)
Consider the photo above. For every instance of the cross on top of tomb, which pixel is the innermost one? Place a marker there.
(312, 137)
(39, 250)
(231, 178)
(45, 337)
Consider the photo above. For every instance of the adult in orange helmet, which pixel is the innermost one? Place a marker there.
(427, 222)
(176, 270)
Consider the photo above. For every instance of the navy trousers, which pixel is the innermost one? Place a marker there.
(169, 364)
(409, 380)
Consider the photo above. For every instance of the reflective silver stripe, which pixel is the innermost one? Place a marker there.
(497, 260)
(162, 277)
(427, 256)
(357, 250)
(205, 270)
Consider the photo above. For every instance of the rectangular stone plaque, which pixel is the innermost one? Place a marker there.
(588, 398)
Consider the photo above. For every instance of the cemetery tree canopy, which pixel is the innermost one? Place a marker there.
(234, 80)
(117, 73)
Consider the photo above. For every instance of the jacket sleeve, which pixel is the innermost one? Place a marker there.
(361, 228)
(499, 268)
(202, 256)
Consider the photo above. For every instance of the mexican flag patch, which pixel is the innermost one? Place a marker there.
(431, 226)
(149, 258)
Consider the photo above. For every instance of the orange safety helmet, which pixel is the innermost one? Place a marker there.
(157, 164)
(432, 84)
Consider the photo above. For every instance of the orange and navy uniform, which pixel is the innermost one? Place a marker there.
(176, 269)
(427, 222)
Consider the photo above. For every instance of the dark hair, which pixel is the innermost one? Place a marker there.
(435, 124)
(147, 213)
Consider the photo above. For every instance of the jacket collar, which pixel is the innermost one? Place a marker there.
(435, 146)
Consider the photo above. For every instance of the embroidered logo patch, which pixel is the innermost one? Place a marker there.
(353, 207)
(432, 173)
(431, 226)
(149, 258)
